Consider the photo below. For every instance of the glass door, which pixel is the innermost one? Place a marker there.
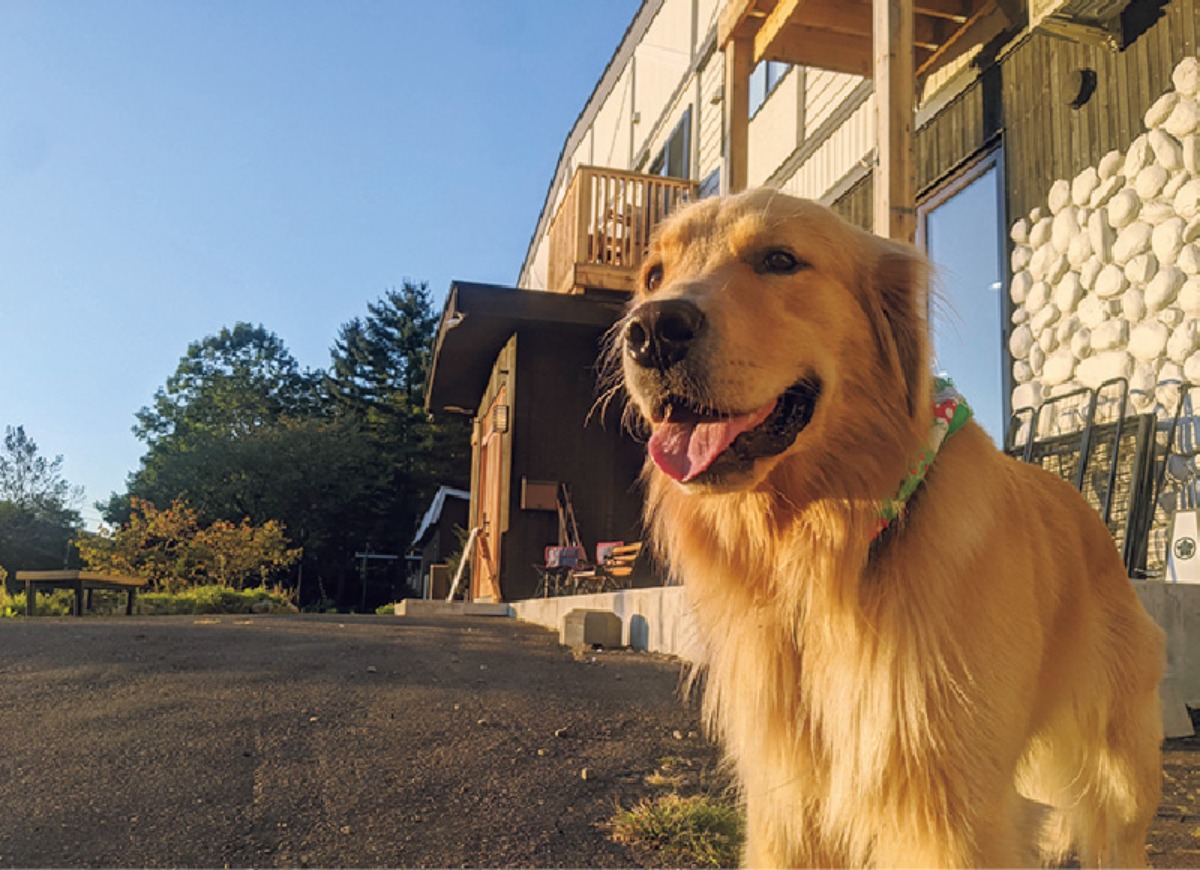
(962, 228)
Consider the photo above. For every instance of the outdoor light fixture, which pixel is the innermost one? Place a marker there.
(500, 418)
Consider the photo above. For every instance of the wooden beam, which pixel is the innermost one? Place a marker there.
(736, 18)
(895, 176)
(775, 24)
(957, 10)
(854, 18)
(987, 23)
(739, 63)
(824, 49)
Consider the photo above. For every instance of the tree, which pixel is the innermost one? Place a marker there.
(379, 369)
(172, 549)
(227, 385)
(38, 517)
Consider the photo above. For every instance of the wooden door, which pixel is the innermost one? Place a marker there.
(485, 566)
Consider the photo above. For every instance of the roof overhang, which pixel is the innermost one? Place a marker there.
(836, 34)
(477, 322)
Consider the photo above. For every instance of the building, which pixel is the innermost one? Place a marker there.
(1045, 153)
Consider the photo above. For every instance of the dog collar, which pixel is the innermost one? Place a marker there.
(950, 413)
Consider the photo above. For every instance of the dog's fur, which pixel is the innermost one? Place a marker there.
(915, 700)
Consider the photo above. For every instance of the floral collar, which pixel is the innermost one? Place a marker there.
(950, 413)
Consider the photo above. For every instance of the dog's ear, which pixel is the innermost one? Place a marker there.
(895, 296)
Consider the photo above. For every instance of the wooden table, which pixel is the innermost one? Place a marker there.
(81, 582)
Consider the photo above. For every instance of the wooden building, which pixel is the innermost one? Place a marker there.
(523, 365)
(968, 126)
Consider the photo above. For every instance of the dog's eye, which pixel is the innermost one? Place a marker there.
(654, 276)
(780, 262)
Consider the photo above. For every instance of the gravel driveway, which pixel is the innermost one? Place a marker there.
(323, 741)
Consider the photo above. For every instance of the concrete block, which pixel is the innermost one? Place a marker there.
(425, 607)
(591, 628)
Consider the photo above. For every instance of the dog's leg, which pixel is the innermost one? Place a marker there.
(791, 841)
(1122, 786)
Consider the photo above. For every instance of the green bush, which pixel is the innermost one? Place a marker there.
(200, 599)
(213, 599)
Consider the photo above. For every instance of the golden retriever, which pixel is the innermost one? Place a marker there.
(976, 684)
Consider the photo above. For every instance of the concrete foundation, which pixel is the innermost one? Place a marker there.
(425, 607)
(654, 620)
(583, 628)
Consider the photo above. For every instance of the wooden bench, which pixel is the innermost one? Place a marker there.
(81, 582)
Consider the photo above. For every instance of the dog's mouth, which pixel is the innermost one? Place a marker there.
(693, 443)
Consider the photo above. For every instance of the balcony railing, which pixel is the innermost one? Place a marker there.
(603, 226)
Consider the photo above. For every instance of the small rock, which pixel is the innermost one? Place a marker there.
(541, 752)
(1163, 288)
(1060, 196)
(1168, 153)
(1036, 359)
(1089, 270)
(1123, 209)
(677, 734)
(1188, 297)
(1141, 269)
(1063, 228)
(1022, 372)
(1183, 342)
(1047, 341)
(1133, 304)
(1138, 156)
(371, 669)
(1091, 312)
(1189, 259)
(1190, 149)
(1191, 368)
(1171, 190)
(1083, 185)
(1131, 241)
(1186, 77)
(587, 773)
(1170, 317)
(1040, 233)
(1110, 282)
(1184, 119)
(481, 722)
(1110, 335)
(1187, 200)
(1027, 395)
(1147, 341)
(1038, 296)
(1101, 367)
(1068, 292)
(1079, 250)
(1018, 288)
(1021, 255)
(560, 732)
(1150, 181)
(1110, 164)
(1020, 231)
(1167, 240)
(1160, 110)
(1081, 344)
(1047, 317)
(1020, 342)
(1059, 367)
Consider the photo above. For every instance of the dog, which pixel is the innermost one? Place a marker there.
(962, 679)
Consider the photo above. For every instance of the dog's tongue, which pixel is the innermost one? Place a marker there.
(683, 449)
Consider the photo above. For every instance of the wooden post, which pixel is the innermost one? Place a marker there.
(739, 53)
(895, 173)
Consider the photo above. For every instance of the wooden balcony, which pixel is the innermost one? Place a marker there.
(602, 228)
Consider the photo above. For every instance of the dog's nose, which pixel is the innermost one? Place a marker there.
(659, 334)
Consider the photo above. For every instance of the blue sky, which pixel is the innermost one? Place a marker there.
(168, 168)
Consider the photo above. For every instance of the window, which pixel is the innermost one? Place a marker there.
(675, 158)
(962, 228)
(766, 76)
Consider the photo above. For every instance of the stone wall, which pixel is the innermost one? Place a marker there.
(1106, 275)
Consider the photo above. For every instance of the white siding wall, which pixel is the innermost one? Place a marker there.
(849, 144)
(775, 129)
(712, 125)
(825, 92)
(661, 63)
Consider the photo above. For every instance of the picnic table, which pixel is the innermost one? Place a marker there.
(82, 582)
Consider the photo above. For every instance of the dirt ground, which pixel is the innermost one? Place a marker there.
(354, 741)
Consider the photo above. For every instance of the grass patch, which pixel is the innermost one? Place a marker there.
(699, 830)
(201, 599)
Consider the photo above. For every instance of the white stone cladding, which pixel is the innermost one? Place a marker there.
(1106, 275)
